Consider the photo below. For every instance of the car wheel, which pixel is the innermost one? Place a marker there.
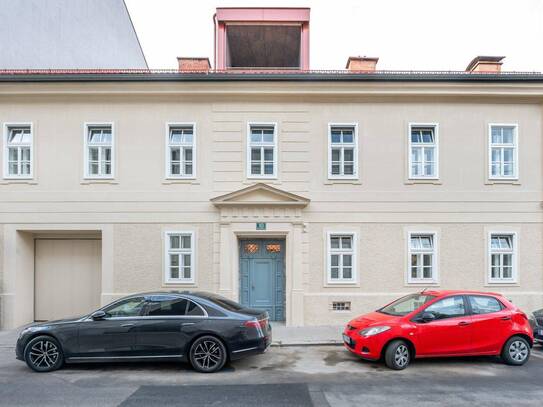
(208, 354)
(516, 351)
(397, 355)
(43, 354)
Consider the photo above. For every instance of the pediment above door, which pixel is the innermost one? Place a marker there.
(260, 195)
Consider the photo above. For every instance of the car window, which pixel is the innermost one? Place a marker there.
(406, 305)
(166, 306)
(130, 307)
(449, 307)
(483, 304)
(194, 310)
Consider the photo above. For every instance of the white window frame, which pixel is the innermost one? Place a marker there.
(86, 127)
(352, 251)
(355, 175)
(514, 272)
(168, 173)
(435, 258)
(515, 175)
(435, 127)
(275, 150)
(168, 251)
(7, 126)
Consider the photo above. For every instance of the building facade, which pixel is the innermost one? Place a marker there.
(314, 195)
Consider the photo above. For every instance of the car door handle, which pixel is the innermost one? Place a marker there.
(463, 323)
(507, 318)
(127, 325)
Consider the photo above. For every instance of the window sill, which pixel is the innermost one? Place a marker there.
(502, 284)
(169, 181)
(250, 181)
(341, 284)
(88, 181)
(430, 181)
(502, 181)
(178, 284)
(8, 181)
(332, 181)
(432, 283)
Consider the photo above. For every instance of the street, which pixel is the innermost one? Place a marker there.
(284, 376)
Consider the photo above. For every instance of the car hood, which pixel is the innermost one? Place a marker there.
(372, 319)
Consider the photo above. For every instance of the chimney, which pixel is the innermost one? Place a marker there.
(193, 64)
(485, 64)
(361, 63)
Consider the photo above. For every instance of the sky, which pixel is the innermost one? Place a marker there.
(404, 34)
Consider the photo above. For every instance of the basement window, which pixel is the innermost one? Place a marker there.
(263, 46)
(341, 306)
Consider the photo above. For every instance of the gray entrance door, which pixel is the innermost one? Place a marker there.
(262, 276)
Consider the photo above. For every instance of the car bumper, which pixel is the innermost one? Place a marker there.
(261, 345)
(538, 334)
(366, 348)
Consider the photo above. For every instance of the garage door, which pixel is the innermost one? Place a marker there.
(67, 277)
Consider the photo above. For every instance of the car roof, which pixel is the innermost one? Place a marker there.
(188, 294)
(443, 293)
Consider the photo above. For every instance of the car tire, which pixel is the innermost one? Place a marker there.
(516, 351)
(208, 354)
(43, 354)
(397, 355)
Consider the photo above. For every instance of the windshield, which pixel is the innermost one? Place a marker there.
(406, 305)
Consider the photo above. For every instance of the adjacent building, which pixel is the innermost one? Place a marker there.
(314, 195)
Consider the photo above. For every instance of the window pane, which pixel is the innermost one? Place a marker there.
(429, 169)
(131, 307)
(507, 272)
(427, 272)
(448, 307)
(347, 260)
(175, 136)
(429, 154)
(25, 168)
(416, 154)
(93, 169)
(175, 154)
(496, 155)
(496, 135)
(334, 242)
(336, 136)
(348, 137)
(427, 260)
(336, 154)
(268, 154)
(348, 154)
(268, 169)
(415, 136)
(507, 260)
(268, 138)
(508, 170)
(427, 136)
(495, 260)
(106, 137)
(334, 273)
(348, 169)
(107, 153)
(426, 242)
(495, 272)
(13, 154)
(188, 169)
(415, 242)
(508, 154)
(188, 137)
(13, 170)
(188, 154)
(166, 307)
(507, 135)
(334, 260)
(93, 154)
(484, 305)
(414, 260)
(174, 272)
(174, 260)
(25, 152)
(255, 154)
(256, 137)
(347, 272)
(186, 260)
(194, 309)
(176, 169)
(185, 242)
(174, 242)
(346, 242)
(255, 169)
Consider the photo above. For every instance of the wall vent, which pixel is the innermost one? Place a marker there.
(341, 306)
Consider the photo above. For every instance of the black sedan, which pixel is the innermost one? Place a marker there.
(201, 328)
(536, 320)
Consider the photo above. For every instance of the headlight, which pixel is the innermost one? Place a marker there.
(373, 330)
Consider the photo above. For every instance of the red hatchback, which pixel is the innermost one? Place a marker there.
(441, 323)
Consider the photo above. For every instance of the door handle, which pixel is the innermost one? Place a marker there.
(463, 323)
(506, 318)
(127, 325)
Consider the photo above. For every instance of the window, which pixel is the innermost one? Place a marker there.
(449, 307)
(484, 304)
(422, 258)
(503, 151)
(342, 151)
(423, 152)
(181, 151)
(99, 151)
(179, 257)
(341, 306)
(261, 151)
(406, 305)
(502, 257)
(131, 307)
(167, 305)
(341, 258)
(18, 151)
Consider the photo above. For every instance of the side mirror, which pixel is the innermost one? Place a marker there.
(428, 317)
(98, 315)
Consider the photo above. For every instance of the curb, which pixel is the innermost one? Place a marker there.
(280, 344)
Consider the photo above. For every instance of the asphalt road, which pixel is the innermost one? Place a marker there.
(290, 376)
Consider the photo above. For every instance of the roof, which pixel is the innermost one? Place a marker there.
(68, 34)
(143, 75)
(441, 293)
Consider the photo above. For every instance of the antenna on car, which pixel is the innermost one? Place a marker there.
(425, 288)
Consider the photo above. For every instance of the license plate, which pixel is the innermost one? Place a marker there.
(540, 331)
(346, 339)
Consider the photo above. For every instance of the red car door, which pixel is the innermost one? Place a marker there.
(449, 333)
(492, 324)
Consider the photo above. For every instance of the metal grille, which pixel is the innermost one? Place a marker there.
(341, 306)
(273, 248)
(251, 248)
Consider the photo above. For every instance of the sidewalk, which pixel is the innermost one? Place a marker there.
(306, 335)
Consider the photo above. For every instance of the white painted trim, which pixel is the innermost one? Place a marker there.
(356, 142)
(327, 254)
(435, 126)
(86, 174)
(435, 259)
(488, 279)
(166, 259)
(6, 174)
(167, 174)
(515, 176)
(275, 151)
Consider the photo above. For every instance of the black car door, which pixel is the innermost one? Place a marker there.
(115, 334)
(169, 323)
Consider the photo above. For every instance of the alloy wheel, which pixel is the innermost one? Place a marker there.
(208, 355)
(518, 351)
(44, 354)
(401, 356)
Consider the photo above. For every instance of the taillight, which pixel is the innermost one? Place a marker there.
(257, 323)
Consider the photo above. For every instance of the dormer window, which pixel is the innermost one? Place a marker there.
(267, 38)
